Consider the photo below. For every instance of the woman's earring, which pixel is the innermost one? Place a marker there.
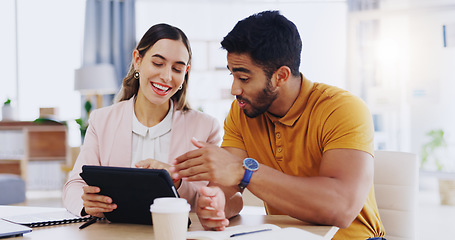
(136, 75)
(181, 87)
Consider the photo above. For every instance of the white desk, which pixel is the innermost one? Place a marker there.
(112, 231)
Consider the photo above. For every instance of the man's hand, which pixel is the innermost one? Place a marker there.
(210, 209)
(155, 164)
(95, 204)
(208, 163)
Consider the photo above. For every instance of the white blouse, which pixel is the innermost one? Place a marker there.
(152, 142)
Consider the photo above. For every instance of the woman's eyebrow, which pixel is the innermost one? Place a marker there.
(162, 57)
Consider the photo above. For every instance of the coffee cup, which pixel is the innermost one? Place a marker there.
(170, 218)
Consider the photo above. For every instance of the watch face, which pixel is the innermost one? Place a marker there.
(251, 164)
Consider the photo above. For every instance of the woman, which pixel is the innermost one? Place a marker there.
(150, 124)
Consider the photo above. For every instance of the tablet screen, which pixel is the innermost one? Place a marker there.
(132, 189)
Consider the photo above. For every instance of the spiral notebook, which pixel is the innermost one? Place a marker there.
(60, 216)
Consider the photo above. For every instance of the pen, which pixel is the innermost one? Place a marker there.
(88, 223)
(244, 233)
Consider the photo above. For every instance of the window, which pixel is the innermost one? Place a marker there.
(48, 50)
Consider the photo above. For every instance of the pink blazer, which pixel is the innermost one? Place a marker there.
(108, 143)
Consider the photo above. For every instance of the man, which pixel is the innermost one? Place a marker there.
(313, 142)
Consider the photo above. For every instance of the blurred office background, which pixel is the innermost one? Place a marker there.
(397, 55)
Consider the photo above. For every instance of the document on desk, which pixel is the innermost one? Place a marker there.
(263, 232)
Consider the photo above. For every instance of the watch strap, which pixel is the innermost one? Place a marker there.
(246, 179)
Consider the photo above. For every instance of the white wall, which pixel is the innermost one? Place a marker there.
(49, 51)
(432, 82)
(378, 71)
(49, 41)
(8, 51)
(414, 73)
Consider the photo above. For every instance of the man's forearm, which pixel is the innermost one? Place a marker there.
(309, 199)
(334, 197)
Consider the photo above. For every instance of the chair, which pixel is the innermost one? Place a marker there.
(396, 187)
(12, 189)
(68, 167)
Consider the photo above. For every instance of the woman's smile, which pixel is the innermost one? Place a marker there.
(160, 89)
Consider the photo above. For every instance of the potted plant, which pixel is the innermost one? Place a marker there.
(434, 157)
(83, 121)
(7, 111)
(433, 152)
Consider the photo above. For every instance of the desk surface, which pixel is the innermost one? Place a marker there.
(112, 231)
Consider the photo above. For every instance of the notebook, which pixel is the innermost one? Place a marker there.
(9, 229)
(263, 232)
(57, 217)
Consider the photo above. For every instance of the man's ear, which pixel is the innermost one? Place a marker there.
(282, 75)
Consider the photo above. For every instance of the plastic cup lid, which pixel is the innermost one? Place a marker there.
(170, 205)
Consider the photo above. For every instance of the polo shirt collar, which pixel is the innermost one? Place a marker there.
(297, 107)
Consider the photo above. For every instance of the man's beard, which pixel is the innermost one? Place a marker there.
(262, 102)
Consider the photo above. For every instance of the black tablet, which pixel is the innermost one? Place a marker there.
(132, 189)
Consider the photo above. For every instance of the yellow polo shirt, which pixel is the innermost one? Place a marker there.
(323, 117)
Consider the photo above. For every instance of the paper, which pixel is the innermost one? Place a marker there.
(274, 233)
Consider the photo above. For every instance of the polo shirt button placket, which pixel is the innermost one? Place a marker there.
(279, 144)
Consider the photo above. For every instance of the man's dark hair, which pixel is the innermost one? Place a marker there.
(269, 38)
